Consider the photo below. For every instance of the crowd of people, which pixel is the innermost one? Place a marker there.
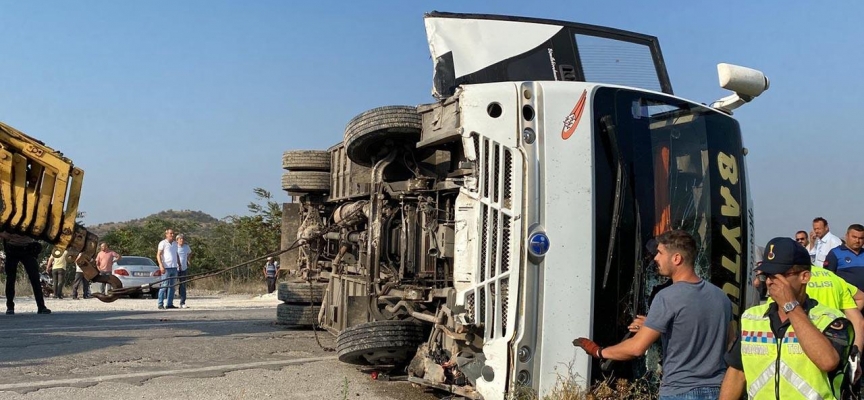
(803, 341)
(173, 256)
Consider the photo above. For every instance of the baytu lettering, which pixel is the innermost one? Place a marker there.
(730, 208)
(728, 167)
(733, 237)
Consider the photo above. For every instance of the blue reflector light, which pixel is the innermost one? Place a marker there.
(538, 244)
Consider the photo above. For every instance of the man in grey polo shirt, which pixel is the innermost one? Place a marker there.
(691, 318)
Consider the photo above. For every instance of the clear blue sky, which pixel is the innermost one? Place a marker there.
(189, 104)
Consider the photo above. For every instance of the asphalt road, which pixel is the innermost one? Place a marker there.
(196, 353)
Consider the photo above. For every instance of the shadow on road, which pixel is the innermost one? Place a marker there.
(31, 339)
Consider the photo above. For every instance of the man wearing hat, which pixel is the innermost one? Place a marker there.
(793, 347)
(270, 274)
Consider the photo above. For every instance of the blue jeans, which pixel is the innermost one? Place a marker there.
(166, 288)
(700, 393)
(181, 275)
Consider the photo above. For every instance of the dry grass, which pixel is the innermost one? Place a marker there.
(217, 285)
(571, 387)
(22, 284)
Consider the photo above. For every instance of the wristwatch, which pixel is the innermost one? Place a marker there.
(788, 307)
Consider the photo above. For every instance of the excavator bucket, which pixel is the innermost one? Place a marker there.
(39, 194)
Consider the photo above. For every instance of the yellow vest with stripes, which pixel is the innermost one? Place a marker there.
(789, 374)
(829, 289)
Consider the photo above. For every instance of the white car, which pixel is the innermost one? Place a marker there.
(135, 271)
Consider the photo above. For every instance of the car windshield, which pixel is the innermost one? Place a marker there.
(136, 261)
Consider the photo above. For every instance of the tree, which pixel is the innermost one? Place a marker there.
(236, 239)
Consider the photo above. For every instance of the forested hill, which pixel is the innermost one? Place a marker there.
(215, 243)
(199, 220)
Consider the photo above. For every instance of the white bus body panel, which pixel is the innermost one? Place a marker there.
(567, 270)
(488, 228)
(558, 198)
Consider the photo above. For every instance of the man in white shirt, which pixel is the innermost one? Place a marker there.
(169, 261)
(80, 282)
(821, 241)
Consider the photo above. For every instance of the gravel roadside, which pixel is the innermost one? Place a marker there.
(195, 300)
(209, 362)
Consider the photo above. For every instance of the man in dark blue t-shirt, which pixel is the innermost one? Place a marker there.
(691, 318)
(847, 260)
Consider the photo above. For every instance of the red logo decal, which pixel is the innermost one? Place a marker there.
(572, 120)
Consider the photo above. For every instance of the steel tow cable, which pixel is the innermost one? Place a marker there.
(314, 323)
(114, 293)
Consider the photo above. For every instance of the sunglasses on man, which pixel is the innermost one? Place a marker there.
(763, 276)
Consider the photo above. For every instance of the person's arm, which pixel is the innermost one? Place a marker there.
(734, 382)
(830, 262)
(117, 256)
(50, 265)
(815, 345)
(732, 387)
(812, 246)
(159, 251)
(731, 336)
(632, 348)
(648, 332)
(858, 296)
(857, 320)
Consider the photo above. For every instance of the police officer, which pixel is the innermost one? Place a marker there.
(847, 260)
(794, 347)
(270, 274)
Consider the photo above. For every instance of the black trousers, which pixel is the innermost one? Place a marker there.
(31, 266)
(59, 276)
(271, 284)
(80, 281)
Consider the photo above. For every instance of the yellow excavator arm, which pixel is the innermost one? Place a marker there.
(39, 193)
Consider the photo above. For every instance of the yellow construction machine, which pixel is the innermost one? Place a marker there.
(39, 194)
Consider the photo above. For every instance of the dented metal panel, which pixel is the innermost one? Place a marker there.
(478, 48)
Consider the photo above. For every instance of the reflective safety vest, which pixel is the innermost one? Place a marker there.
(777, 368)
(270, 270)
(829, 289)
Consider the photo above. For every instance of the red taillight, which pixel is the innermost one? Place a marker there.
(121, 272)
(156, 273)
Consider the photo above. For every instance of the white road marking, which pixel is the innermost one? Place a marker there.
(154, 374)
